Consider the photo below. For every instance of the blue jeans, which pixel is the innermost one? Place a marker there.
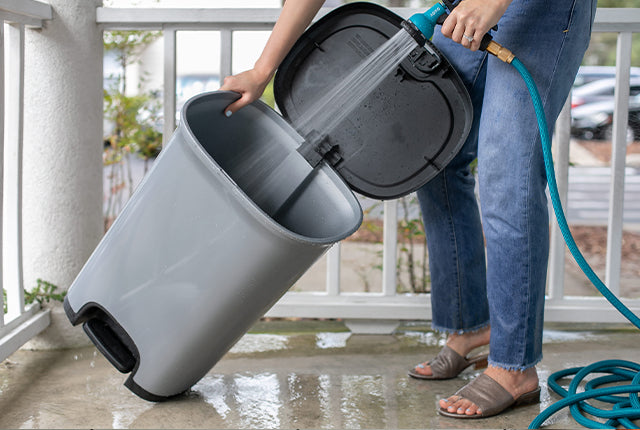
(504, 286)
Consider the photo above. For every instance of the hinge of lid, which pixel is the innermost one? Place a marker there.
(316, 148)
(424, 59)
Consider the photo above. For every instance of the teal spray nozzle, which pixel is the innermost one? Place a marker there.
(426, 22)
(421, 25)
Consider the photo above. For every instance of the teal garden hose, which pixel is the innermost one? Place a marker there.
(625, 409)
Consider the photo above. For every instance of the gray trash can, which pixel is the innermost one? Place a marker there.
(192, 261)
(232, 214)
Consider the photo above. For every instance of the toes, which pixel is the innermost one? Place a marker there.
(450, 403)
(472, 410)
(466, 407)
(423, 369)
(462, 406)
(459, 405)
(444, 403)
(454, 404)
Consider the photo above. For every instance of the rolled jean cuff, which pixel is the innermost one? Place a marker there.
(511, 367)
(447, 330)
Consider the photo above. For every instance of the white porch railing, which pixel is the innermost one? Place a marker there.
(388, 305)
(20, 323)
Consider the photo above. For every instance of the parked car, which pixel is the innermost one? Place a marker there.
(601, 90)
(595, 120)
(587, 74)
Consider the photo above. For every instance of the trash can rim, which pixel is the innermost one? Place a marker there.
(247, 202)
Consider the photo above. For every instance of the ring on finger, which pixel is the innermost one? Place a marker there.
(469, 38)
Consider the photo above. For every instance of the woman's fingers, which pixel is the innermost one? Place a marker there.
(248, 84)
(472, 19)
(237, 105)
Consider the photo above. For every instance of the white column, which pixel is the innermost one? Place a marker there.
(62, 183)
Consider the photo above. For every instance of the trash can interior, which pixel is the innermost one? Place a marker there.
(256, 148)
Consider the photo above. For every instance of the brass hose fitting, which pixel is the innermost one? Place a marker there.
(500, 51)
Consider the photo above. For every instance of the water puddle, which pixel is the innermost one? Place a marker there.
(363, 392)
(556, 336)
(214, 392)
(332, 340)
(252, 343)
(125, 414)
(258, 401)
(428, 338)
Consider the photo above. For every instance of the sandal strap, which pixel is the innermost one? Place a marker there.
(448, 363)
(488, 395)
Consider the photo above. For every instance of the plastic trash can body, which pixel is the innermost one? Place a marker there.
(192, 262)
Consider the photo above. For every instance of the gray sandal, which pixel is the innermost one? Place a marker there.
(448, 364)
(490, 398)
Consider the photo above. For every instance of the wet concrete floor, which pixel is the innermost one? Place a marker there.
(286, 375)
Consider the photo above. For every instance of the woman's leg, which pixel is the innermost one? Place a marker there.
(454, 230)
(549, 37)
(452, 221)
(511, 167)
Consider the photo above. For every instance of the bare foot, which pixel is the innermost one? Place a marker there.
(514, 381)
(463, 344)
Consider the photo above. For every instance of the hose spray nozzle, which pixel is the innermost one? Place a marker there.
(421, 25)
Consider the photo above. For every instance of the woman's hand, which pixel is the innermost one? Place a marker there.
(250, 85)
(294, 18)
(472, 19)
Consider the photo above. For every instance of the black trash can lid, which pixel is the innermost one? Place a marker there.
(405, 131)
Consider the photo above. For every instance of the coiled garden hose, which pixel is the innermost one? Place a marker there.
(624, 409)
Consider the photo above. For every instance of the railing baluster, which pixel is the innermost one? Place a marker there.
(169, 35)
(390, 248)
(618, 154)
(12, 241)
(333, 270)
(226, 53)
(561, 140)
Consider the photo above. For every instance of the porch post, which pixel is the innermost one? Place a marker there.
(62, 183)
